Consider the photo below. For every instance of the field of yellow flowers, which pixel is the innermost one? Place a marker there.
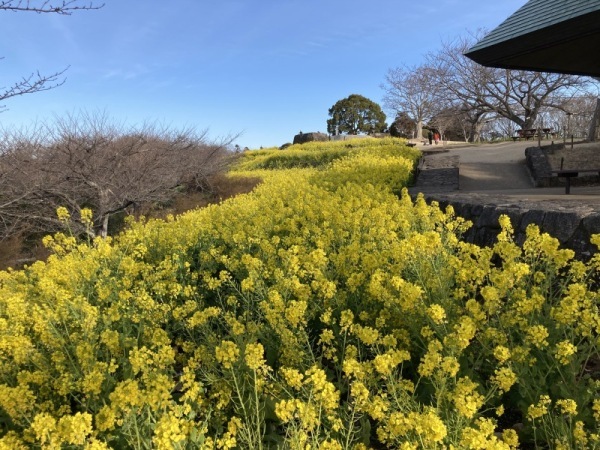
(324, 310)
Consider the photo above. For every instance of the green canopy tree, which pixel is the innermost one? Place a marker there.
(402, 126)
(356, 114)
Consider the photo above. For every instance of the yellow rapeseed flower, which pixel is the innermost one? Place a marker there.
(567, 406)
(254, 356)
(292, 377)
(540, 409)
(63, 214)
(537, 335)
(170, 431)
(564, 351)
(504, 378)
(227, 353)
(44, 427)
(466, 398)
(86, 216)
(436, 313)
(74, 429)
(596, 408)
(501, 353)
(511, 438)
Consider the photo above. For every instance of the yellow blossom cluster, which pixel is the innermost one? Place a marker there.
(326, 309)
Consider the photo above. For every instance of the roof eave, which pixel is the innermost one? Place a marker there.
(566, 47)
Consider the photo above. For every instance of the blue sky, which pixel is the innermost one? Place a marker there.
(266, 69)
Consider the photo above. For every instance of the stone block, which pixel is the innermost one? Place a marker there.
(561, 225)
(591, 223)
(302, 138)
(533, 216)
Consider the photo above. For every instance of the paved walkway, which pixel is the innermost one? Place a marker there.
(494, 180)
(497, 172)
(493, 167)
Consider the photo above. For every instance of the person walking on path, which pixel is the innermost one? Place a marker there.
(430, 137)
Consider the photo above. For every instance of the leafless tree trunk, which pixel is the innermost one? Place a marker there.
(86, 161)
(515, 95)
(595, 123)
(413, 92)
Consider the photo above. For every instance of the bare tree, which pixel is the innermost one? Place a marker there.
(595, 123)
(412, 90)
(64, 7)
(516, 95)
(86, 161)
(575, 116)
(506, 128)
(443, 121)
(35, 81)
(16, 187)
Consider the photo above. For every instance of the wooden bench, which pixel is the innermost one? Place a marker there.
(525, 134)
(531, 133)
(567, 174)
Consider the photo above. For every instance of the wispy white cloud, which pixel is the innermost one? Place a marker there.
(229, 63)
(127, 73)
(67, 37)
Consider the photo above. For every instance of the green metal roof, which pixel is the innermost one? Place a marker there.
(536, 15)
(545, 35)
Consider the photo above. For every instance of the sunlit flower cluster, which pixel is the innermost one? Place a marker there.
(326, 309)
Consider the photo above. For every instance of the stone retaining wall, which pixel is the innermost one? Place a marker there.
(540, 169)
(573, 228)
(571, 223)
(437, 174)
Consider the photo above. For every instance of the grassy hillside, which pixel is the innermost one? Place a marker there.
(320, 154)
(322, 310)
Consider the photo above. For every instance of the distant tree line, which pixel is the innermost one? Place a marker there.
(88, 161)
(452, 93)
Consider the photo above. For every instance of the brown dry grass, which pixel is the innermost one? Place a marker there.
(18, 251)
(222, 187)
(581, 156)
(21, 250)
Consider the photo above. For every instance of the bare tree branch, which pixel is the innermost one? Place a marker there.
(516, 95)
(411, 90)
(31, 84)
(36, 82)
(87, 161)
(64, 7)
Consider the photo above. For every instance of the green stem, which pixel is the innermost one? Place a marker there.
(257, 412)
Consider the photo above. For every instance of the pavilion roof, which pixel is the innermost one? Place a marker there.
(545, 35)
